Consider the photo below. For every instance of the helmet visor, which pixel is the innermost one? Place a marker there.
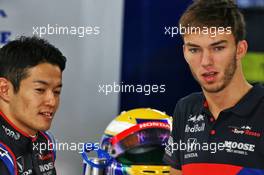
(142, 147)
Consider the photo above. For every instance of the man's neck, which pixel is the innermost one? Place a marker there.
(6, 111)
(226, 98)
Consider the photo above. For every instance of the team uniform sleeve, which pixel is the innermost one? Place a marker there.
(3, 168)
(172, 153)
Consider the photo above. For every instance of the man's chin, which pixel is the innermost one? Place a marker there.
(210, 87)
(213, 88)
(44, 128)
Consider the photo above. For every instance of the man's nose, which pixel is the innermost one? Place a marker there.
(207, 58)
(50, 99)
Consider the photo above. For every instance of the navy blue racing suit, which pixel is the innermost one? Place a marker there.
(21, 154)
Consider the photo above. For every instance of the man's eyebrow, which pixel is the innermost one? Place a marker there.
(218, 42)
(212, 44)
(191, 44)
(45, 83)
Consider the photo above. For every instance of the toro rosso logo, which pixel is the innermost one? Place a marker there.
(195, 118)
(245, 130)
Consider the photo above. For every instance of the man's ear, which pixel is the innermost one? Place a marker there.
(242, 47)
(184, 53)
(5, 89)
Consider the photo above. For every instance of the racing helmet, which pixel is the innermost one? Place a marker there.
(136, 141)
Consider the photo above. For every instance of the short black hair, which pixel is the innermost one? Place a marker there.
(17, 56)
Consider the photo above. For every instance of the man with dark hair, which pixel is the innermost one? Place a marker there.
(30, 85)
(219, 130)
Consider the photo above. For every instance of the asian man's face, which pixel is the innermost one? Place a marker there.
(33, 107)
